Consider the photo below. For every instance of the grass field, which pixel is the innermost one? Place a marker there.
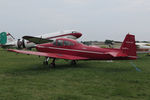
(23, 77)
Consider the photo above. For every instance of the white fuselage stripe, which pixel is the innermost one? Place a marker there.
(71, 50)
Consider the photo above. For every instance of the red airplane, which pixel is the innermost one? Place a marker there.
(69, 49)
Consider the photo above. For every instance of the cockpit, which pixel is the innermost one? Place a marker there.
(63, 43)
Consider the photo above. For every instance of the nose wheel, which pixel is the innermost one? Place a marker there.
(45, 62)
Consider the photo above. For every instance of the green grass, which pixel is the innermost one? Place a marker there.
(23, 77)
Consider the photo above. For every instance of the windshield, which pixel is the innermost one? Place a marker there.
(60, 43)
(54, 43)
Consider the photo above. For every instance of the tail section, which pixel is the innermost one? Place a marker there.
(6, 38)
(128, 46)
(3, 38)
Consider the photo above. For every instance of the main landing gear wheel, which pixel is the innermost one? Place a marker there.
(73, 62)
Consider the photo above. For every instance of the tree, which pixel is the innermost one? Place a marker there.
(109, 43)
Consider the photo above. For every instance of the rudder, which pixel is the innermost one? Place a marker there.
(128, 46)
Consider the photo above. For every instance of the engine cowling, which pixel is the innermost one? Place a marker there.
(21, 44)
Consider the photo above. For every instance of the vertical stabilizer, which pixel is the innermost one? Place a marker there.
(6, 38)
(128, 46)
(3, 38)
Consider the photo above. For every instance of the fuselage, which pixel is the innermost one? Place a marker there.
(72, 47)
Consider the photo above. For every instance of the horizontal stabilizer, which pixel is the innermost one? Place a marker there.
(37, 40)
(117, 54)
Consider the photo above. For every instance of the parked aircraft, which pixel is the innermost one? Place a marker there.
(7, 40)
(64, 48)
(143, 45)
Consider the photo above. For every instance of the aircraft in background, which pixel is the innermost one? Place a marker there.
(143, 45)
(7, 40)
(69, 49)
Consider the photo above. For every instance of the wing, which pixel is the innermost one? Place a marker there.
(37, 40)
(53, 55)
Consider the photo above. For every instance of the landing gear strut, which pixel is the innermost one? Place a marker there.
(73, 62)
(53, 62)
(45, 62)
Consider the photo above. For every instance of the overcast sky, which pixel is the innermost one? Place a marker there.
(96, 19)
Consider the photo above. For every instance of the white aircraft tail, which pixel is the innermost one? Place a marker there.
(6, 38)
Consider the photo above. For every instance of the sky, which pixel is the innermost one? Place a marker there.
(95, 19)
